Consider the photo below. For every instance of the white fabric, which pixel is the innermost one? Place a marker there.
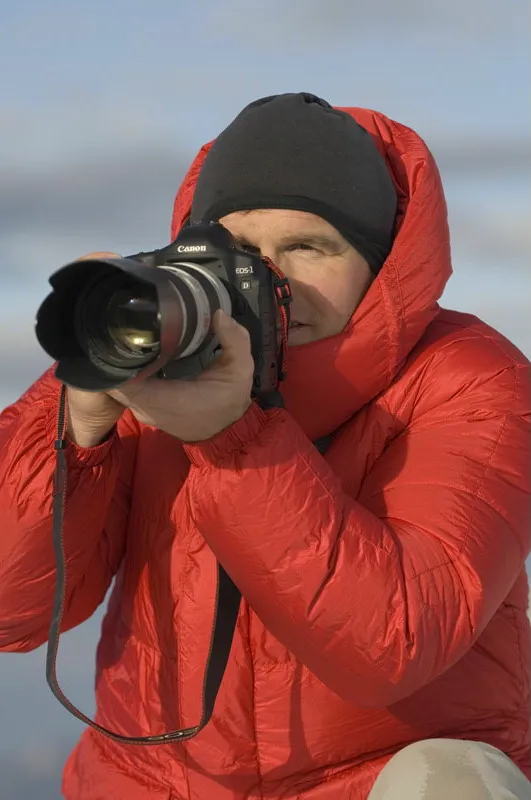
(450, 769)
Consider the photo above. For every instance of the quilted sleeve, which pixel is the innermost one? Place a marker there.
(380, 594)
(95, 517)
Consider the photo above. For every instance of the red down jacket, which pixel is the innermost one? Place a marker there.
(384, 583)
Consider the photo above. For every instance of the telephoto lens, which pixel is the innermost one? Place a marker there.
(114, 320)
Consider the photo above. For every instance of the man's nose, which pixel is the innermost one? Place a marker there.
(267, 251)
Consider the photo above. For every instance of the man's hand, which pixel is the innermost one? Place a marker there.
(198, 408)
(191, 410)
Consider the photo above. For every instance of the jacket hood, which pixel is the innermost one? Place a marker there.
(330, 380)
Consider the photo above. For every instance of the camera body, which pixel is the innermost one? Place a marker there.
(186, 282)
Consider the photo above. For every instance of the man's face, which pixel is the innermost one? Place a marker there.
(328, 277)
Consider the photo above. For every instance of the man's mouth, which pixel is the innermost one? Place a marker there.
(293, 326)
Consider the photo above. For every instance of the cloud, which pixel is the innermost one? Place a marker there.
(494, 238)
(19, 784)
(19, 370)
(313, 20)
(473, 155)
(107, 193)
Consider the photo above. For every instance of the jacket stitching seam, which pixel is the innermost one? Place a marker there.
(255, 727)
(496, 342)
(481, 481)
(521, 664)
(402, 316)
(132, 770)
(179, 693)
(385, 296)
(476, 493)
(334, 502)
(480, 484)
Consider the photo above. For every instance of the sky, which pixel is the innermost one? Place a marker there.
(104, 104)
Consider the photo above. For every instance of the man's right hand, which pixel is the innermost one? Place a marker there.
(91, 415)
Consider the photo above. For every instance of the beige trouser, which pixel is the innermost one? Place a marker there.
(450, 769)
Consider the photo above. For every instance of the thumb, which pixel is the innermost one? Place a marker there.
(233, 338)
(98, 254)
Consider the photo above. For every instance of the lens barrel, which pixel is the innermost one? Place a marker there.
(110, 321)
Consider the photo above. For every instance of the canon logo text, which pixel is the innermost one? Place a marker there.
(191, 248)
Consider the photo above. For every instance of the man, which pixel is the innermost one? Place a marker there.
(382, 646)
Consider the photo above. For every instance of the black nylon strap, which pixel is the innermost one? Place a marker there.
(227, 606)
(228, 599)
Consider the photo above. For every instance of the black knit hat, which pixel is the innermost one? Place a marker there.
(295, 151)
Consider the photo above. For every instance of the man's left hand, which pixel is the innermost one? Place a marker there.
(196, 409)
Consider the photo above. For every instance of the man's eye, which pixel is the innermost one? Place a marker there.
(250, 249)
(300, 246)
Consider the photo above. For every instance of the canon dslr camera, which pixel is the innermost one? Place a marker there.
(111, 321)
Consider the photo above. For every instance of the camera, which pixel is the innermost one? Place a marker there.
(112, 321)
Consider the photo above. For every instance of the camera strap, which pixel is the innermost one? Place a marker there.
(227, 607)
(228, 599)
(283, 298)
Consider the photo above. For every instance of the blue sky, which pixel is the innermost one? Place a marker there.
(103, 104)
